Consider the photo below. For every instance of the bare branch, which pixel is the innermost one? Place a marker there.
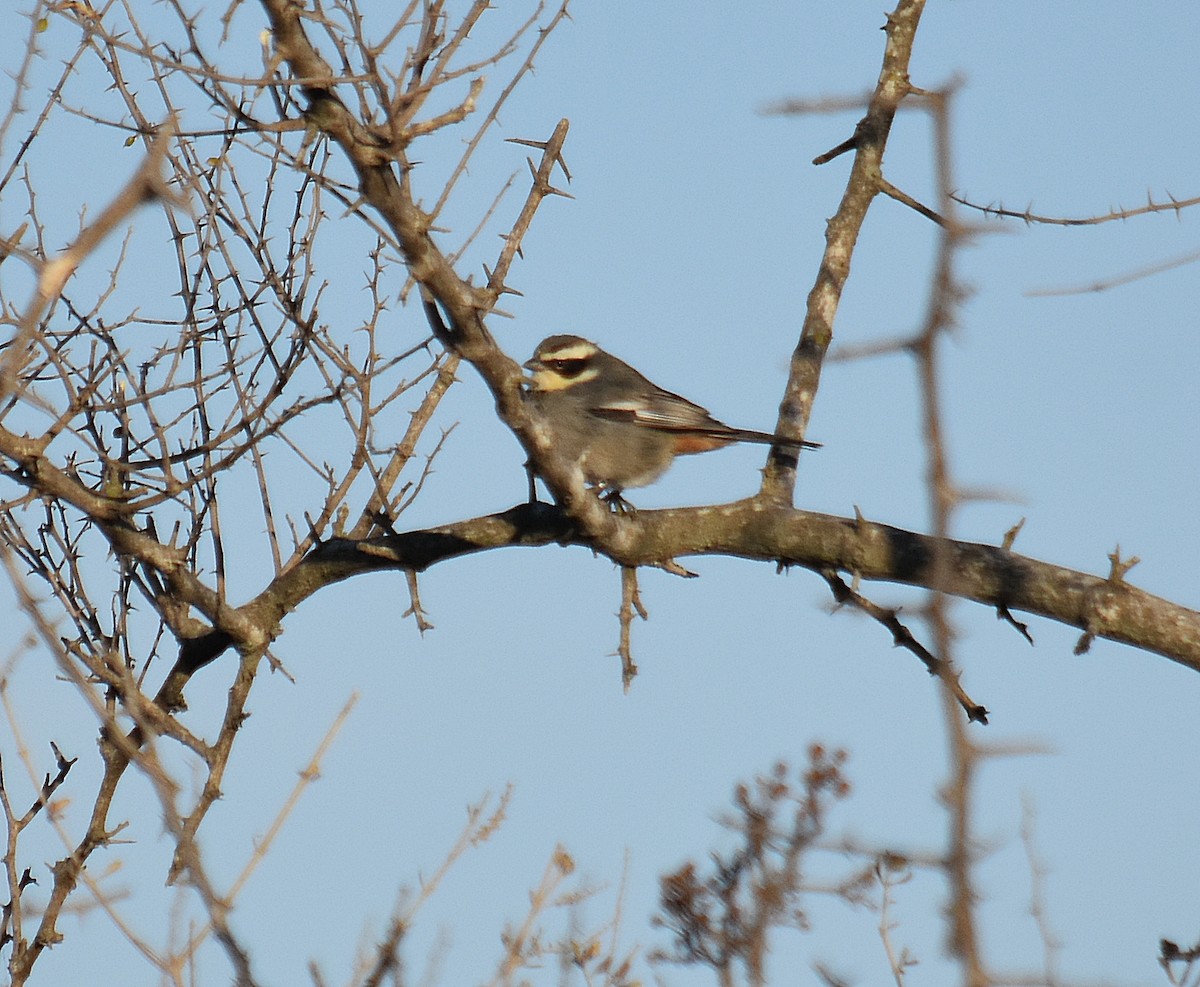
(1029, 217)
(631, 604)
(871, 135)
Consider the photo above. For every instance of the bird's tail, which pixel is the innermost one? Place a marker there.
(766, 438)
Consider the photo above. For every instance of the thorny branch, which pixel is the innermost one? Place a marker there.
(865, 182)
(944, 497)
(631, 605)
(903, 637)
(128, 431)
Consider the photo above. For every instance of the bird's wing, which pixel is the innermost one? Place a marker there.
(664, 411)
(667, 412)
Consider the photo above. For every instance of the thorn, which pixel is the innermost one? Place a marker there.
(675, 569)
(558, 159)
(1010, 536)
(847, 145)
(977, 714)
(540, 145)
(1119, 566)
(1003, 613)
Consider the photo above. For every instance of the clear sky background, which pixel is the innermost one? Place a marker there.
(689, 248)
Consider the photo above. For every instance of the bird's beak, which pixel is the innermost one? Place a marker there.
(532, 365)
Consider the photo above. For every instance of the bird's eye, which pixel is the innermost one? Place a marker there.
(568, 368)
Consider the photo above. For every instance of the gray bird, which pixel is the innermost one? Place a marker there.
(622, 429)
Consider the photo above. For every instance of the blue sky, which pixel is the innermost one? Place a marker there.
(688, 249)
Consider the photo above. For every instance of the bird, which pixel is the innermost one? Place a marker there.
(620, 428)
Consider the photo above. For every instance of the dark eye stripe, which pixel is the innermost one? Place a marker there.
(568, 368)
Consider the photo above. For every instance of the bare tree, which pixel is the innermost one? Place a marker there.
(142, 423)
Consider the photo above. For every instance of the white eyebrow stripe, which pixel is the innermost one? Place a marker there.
(577, 351)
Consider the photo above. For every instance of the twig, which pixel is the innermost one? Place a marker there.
(631, 604)
(869, 140)
(1051, 945)
(1104, 284)
(310, 773)
(1028, 216)
(520, 945)
(415, 610)
(541, 187)
(145, 186)
(482, 823)
(903, 637)
(885, 870)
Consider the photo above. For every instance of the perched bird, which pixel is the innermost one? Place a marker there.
(622, 430)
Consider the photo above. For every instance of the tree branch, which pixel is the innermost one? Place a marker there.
(841, 234)
(1106, 607)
